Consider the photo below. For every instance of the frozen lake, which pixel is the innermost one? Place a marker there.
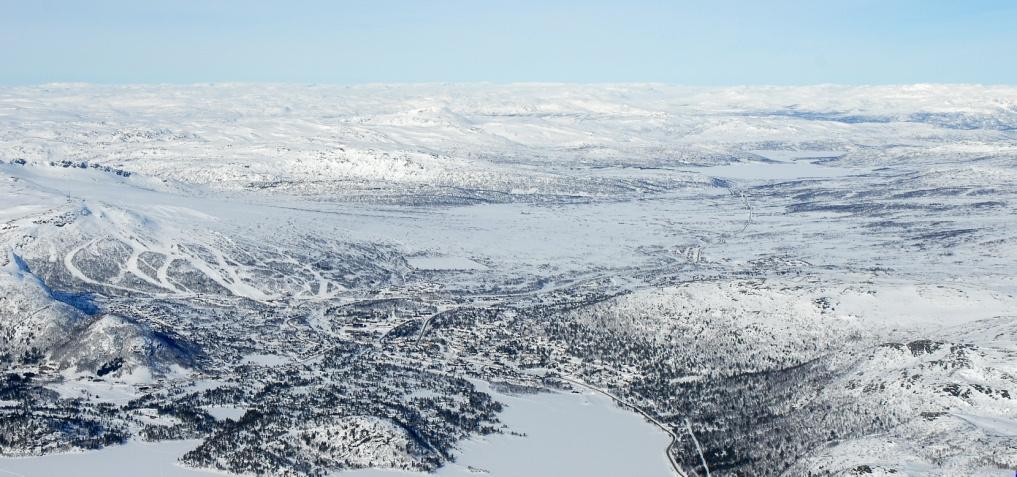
(444, 263)
(566, 434)
(780, 165)
(129, 460)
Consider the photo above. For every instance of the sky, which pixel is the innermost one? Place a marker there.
(720, 42)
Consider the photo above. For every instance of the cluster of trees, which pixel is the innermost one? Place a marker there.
(756, 402)
(290, 408)
(755, 409)
(37, 421)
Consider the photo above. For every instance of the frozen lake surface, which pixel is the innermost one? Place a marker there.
(444, 263)
(129, 460)
(787, 155)
(767, 171)
(565, 434)
(781, 165)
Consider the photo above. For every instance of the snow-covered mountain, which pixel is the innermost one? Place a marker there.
(308, 280)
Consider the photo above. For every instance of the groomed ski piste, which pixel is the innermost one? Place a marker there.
(532, 279)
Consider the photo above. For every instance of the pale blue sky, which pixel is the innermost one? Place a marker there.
(344, 42)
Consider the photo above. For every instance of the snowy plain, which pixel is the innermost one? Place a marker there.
(855, 246)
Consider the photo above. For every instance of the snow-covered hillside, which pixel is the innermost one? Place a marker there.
(308, 280)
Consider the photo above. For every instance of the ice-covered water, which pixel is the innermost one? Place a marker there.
(128, 460)
(566, 434)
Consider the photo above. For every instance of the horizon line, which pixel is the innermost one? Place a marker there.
(84, 84)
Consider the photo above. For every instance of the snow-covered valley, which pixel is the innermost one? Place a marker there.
(316, 280)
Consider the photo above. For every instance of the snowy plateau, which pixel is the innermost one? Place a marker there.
(508, 280)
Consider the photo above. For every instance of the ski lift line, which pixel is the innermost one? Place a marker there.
(698, 448)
